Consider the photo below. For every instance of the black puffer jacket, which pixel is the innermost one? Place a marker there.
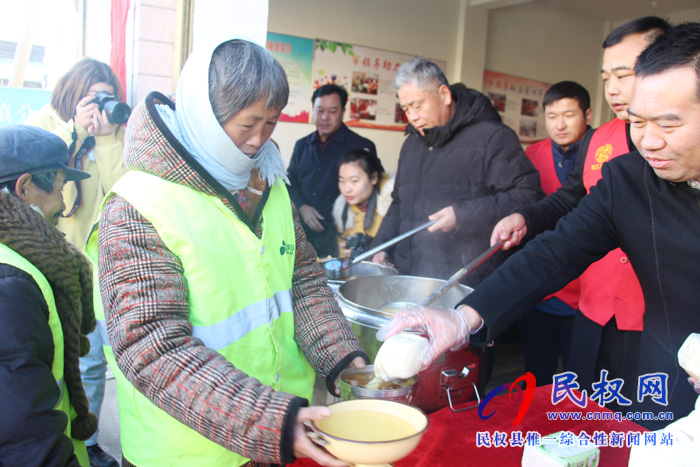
(31, 431)
(476, 165)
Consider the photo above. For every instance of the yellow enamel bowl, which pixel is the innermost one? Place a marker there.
(370, 431)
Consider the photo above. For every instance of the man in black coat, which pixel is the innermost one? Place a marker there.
(648, 204)
(313, 169)
(459, 165)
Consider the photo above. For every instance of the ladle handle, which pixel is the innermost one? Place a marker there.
(393, 241)
(461, 274)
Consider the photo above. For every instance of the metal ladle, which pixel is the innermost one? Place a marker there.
(455, 279)
(341, 268)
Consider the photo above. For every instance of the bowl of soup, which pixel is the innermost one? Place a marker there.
(370, 431)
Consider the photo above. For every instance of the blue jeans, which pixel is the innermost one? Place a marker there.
(93, 367)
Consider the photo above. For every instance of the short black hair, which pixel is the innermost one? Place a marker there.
(369, 161)
(679, 47)
(328, 89)
(570, 90)
(650, 26)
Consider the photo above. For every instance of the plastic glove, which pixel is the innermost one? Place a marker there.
(446, 329)
(695, 383)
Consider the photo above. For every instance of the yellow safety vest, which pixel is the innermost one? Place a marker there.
(11, 257)
(240, 305)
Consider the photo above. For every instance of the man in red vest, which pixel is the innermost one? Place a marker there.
(606, 332)
(546, 330)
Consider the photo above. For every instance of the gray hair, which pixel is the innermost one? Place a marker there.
(240, 74)
(421, 72)
(43, 180)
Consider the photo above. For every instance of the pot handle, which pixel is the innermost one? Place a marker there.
(448, 376)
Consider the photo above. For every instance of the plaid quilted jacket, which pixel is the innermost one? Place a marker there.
(145, 299)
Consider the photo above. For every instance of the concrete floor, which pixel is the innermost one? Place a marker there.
(108, 437)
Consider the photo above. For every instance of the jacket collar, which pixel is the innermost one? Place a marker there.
(470, 106)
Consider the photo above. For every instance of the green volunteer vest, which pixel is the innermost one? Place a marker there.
(11, 257)
(240, 305)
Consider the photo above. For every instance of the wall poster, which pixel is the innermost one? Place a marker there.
(295, 54)
(519, 102)
(367, 75)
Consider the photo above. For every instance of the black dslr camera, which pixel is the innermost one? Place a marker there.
(359, 243)
(117, 112)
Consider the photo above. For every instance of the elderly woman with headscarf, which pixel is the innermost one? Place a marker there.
(219, 317)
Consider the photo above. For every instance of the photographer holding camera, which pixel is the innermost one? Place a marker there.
(86, 113)
(365, 196)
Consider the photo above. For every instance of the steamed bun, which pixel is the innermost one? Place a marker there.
(689, 355)
(400, 356)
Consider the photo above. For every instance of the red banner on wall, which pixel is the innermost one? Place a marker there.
(117, 56)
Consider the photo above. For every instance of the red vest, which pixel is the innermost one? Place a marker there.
(540, 154)
(609, 287)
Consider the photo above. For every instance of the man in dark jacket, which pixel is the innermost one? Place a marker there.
(313, 169)
(45, 307)
(648, 204)
(459, 165)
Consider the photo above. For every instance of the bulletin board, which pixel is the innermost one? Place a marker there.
(519, 102)
(366, 73)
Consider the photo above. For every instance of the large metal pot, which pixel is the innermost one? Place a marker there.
(454, 376)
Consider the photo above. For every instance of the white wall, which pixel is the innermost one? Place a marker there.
(675, 18)
(533, 40)
(414, 27)
(548, 44)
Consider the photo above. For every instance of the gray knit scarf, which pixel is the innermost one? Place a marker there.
(69, 274)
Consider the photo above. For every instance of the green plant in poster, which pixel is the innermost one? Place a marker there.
(332, 46)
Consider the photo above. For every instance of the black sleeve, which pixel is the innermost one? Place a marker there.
(547, 263)
(545, 214)
(31, 431)
(293, 174)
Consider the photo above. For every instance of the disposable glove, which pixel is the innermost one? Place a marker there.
(445, 328)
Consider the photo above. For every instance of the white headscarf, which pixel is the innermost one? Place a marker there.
(193, 123)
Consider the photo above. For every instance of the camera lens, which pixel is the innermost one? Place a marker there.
(117, 112)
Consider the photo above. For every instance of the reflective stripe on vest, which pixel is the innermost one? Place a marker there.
(220, 335)
(540, 154)
(239, 291)
(9, 256)
(609, 287)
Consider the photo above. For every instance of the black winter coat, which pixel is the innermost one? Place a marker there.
(314, 180)
(476, 165)
(657, 224)
(31, 431)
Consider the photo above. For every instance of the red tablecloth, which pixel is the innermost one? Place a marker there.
(451, 438)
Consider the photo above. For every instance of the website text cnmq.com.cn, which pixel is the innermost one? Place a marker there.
(605, 391)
